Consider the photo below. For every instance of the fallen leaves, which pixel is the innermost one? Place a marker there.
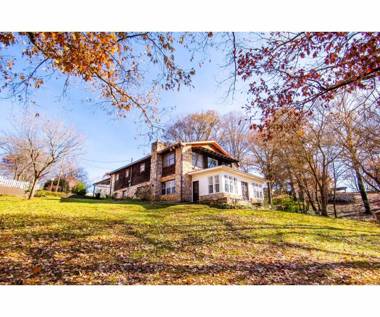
(47, 241)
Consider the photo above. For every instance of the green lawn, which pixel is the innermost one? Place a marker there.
(49, 241)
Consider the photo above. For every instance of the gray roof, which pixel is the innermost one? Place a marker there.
(134, 162)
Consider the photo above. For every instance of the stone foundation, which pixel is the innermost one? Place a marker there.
(227, 198)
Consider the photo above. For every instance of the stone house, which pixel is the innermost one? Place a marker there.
(199, 171)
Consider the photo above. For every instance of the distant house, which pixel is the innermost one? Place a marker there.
(102, 188)
(187, 171)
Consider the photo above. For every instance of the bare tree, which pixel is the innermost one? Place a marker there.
(350, 131)
(199, 126)
(234, 135)
(43, 144)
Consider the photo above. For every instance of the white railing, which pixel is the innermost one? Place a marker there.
(13, 183)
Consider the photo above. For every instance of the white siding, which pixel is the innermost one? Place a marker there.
(203, 183)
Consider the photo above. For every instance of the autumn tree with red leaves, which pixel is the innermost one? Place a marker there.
(299, 69)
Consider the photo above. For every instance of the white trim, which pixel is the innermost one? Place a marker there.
(223, 168)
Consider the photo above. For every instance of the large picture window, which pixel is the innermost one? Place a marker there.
(169, 159)
(168, 187)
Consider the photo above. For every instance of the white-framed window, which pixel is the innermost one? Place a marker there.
(226, 184)
(127, 173)
(142, 167)
(211, 162)
(169, 159)
(213, 184)
(197, 159)
(168, 187)
(117, 177)
(216, 183)
(257, 190)
(210, 185)
(230, 184)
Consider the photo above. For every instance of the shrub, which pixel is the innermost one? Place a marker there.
(286, 203)
(79, 189)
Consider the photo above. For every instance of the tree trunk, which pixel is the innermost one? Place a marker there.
(33, 188)
(324, 201)
(363, 192)
(269, 194)
(334, 202)
(59, 180)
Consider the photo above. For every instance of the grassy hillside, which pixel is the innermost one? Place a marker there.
(53, 241)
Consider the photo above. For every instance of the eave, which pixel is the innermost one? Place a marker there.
(227, 169)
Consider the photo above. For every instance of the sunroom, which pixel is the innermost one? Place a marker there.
(226, 184)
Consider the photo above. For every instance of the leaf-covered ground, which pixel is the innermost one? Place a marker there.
(53, 241)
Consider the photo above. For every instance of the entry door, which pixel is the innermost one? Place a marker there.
(244, 190)
(196, 191)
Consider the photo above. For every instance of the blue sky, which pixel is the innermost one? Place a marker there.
(109, 141)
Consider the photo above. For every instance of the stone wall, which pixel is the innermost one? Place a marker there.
(130, 192)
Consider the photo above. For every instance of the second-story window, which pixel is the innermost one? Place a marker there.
(126, 173)
(142, 167)
(117, 177)
(197, 159)
(211, 162)
(169, 159)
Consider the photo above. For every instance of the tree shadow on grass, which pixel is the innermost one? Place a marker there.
(102, 258)
(145, 204)
(137, 272)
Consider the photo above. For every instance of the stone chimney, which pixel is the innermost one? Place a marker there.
(158, 146)
(156, 168)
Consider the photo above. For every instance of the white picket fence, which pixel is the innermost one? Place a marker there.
(13, 183)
